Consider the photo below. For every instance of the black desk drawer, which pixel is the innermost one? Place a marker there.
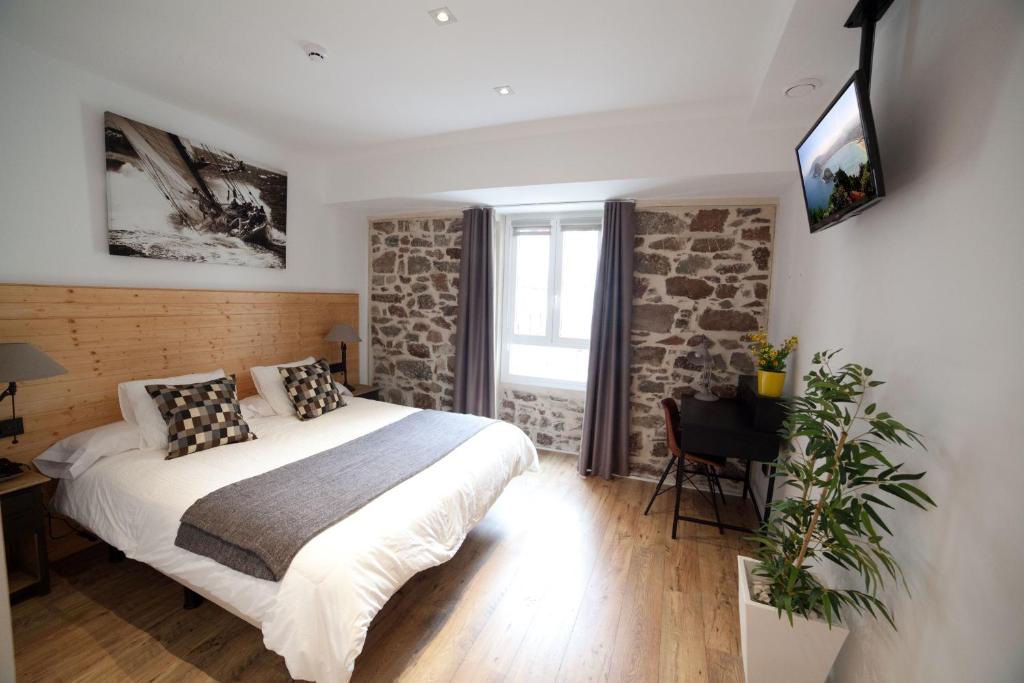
(19, 525)
(744, 445)
(20, 501)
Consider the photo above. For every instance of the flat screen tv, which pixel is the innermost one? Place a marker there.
(839, 166)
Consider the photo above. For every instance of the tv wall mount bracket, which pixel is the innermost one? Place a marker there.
(865, 15)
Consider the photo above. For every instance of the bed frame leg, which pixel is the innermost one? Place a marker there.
(192, 599)
(114, 555)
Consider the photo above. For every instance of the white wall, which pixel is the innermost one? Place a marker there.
(53, 193)
(926, 289)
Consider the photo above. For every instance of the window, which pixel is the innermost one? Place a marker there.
(550, 271)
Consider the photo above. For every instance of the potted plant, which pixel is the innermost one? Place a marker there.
(771, 363)
(790, 622)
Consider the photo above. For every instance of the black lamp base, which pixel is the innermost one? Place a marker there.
(342, 367)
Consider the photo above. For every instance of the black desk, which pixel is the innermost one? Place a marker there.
(744, 428)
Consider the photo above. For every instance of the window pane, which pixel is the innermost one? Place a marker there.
(548, 362)
(530, 308)
(580, 252)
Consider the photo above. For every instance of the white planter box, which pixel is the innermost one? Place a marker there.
(774, 651)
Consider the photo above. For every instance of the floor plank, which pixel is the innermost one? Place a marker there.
(565, 579)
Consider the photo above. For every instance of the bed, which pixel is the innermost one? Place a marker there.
(317, 616)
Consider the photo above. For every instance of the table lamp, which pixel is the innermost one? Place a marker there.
(342, 333)
(21, 361)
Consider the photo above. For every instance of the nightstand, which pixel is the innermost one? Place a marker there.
(21, 505)
(369, 391)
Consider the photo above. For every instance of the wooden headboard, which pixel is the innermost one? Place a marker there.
(107, 335)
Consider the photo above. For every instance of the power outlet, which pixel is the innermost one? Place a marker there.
(12, 427)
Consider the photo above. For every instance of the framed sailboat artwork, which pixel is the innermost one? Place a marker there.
(169, 197)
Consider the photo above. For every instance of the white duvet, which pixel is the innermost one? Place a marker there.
(317, 616)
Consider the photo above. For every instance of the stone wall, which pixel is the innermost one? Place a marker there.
(414, 284)
(552, 419)
(700, 273)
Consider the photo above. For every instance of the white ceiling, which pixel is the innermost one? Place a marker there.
(392, 74)
(745, 186)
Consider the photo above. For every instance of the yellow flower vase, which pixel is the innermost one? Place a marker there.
(770, 383)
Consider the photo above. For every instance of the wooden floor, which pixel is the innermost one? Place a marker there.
(564, 580)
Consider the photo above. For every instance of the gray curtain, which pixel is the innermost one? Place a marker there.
(474, 338)
(605, 449)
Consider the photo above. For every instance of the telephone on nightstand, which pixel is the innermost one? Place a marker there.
(9, 469)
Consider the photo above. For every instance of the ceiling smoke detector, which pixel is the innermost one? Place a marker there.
(801, 88)
(315, 53)
(442, 16)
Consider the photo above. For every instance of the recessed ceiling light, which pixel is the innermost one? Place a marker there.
(442, 16)
(504, 90)
(801, 88)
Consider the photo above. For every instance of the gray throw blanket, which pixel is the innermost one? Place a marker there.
(258, 525)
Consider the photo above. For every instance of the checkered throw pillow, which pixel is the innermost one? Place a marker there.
(200, 416)
(311, 389)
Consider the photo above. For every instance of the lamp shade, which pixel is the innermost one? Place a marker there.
(342, 332)
(20, 361)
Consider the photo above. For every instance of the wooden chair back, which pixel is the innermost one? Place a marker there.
(672, 426)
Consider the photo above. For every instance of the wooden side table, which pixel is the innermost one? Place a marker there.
(369, 391)
(21, 505)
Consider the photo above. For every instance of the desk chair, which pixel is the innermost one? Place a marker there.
(706, 466)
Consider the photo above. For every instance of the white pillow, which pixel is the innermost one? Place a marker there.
(255, 406)
(139, 409)
(270, 384)
(69, 457)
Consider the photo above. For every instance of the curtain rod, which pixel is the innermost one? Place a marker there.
(543, 204)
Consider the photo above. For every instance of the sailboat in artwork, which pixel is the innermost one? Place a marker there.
(206, 189)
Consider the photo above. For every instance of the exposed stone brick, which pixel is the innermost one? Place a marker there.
(652, 387)
(418, 350)
(426, 401)
(415, 372)
(416, 369)
(417, 264)
(761, 233)
(737, 321)
(709, 220)
(653, 317)
(726, 268)
(674, 340)
(691, 288)
(658, 223)
(648, 355)
(667, 244)
(652, 264)
(724, 291)
(709, 244)
(385, 263)
(690, 264)
(710, 247)
(761, 257)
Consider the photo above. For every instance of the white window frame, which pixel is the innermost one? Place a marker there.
(557, 223)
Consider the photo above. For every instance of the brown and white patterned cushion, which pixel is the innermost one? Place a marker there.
(200, 416)
(311, 389)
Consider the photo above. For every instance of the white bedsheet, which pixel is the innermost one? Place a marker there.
(317, 616)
